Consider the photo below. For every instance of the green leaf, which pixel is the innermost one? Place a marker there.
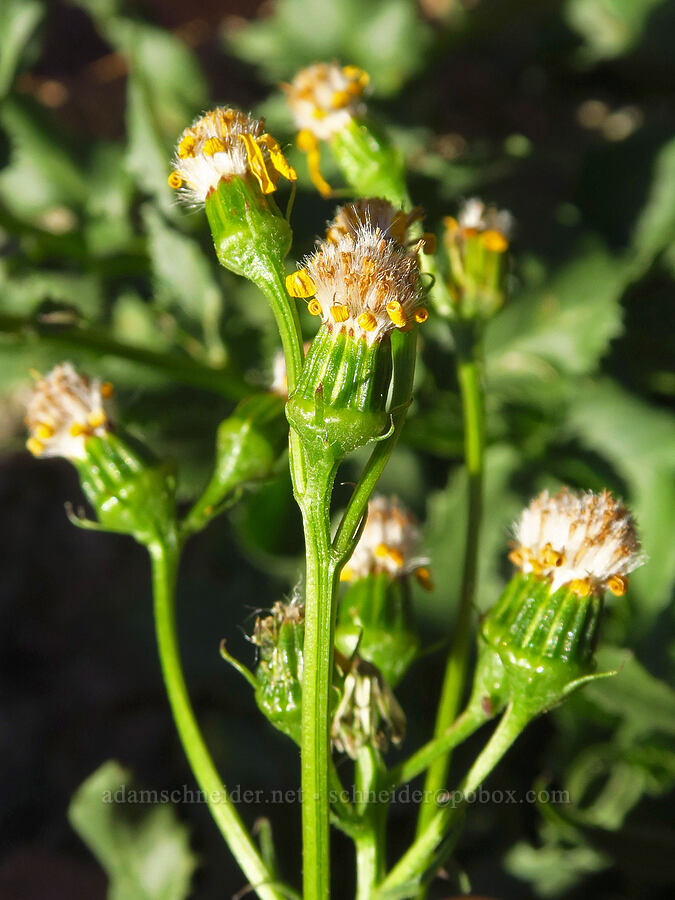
(609, 27)
(563, 325)
(638, 440)
(385, 37)
(146, 856)
(553, 869)
(18, 21)
(655, 228)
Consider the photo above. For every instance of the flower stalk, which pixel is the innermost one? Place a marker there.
(165, 556)
(470, 377)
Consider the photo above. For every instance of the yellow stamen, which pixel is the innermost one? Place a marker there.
(395, 556)
(339, 312)
(319, 113)
(300, 284)
(618, 585)
(381, 551)
(423, 576)
(77, 429)
(314, 307)
(429, 243)
(357, 76)
(35, 446)
(580, 586)
(277, 157)
(516, 557)
(175, 181)
(310, 145)
(494, 241)
(397, 314)
(339, 99)
(96, 419)
(107, 389)
(421, 315)
(367, 321)
(212, 146)
(44, 431)
(346, 574)
(256, 161)
(187, 146)
(551, 557)
(451, 226)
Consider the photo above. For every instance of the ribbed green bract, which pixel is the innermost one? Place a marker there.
(340, 401)
(130, 492)
(477, 282)
(536, 647)
(375, 616)
(370, 163)
(247, 227)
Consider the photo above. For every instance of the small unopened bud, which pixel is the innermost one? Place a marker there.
(130, 491)
(368, 714)
(363, 286)
(570, 548)
(280, 638)
(248, 446)
(477, 244)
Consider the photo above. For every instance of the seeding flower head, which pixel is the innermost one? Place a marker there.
(584, 540)
(378, 213)
(226, 143)
(363, 284)
(368, 714)
(389, 543)
(64, 410)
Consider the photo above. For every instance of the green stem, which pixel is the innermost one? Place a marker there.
(469, 373)
(370, 841)
(90, 339)
(470, 720)
(164, 558)
(420, 855)
(320, 609)
(270, 278)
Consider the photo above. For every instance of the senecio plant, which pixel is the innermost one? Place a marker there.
(330, 658)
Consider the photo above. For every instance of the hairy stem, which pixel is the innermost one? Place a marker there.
(469, 372)
(164, 558)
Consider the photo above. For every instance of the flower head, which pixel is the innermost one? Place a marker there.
(226, 143)
(479, 216)
(325, 97)
(584, 540)
(64, 410)
(368, 714)
(364, 284)
(389, 543)
(378, 213)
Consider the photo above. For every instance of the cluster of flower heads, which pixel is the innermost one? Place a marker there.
(362, 280)
(495, 226)
(368, 713)
(585, 541)
(225, 143)
(65, 408)
(389, 543)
